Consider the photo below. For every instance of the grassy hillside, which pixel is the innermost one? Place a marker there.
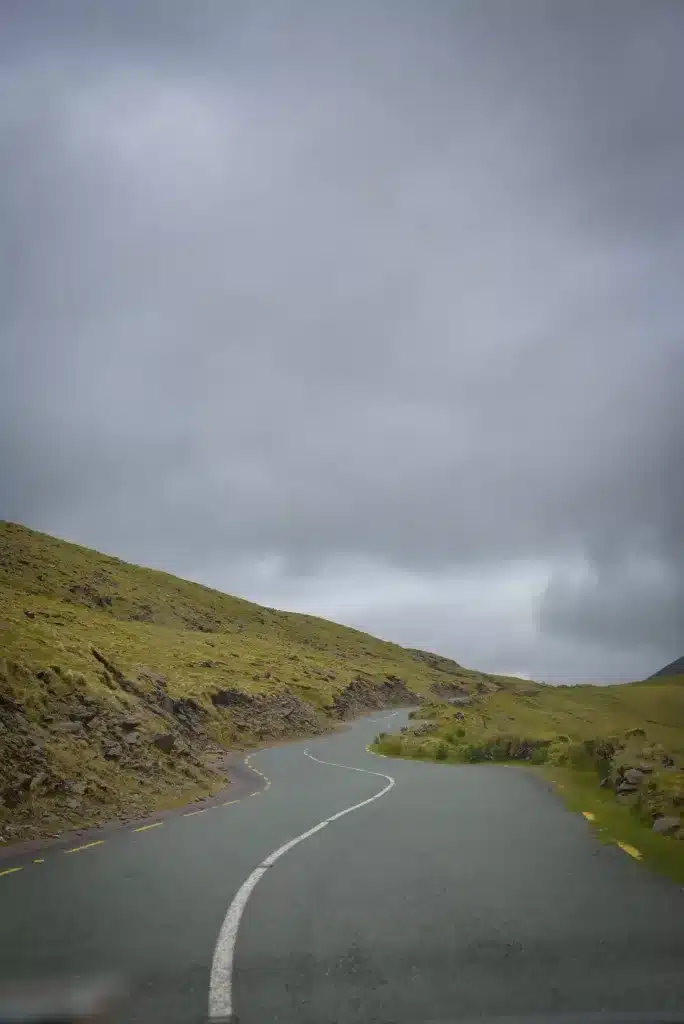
(615, 752)
(121, 687)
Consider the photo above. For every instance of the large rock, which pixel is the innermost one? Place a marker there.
(166, 741)
(666, 826)
(627, 787)
(634, 776)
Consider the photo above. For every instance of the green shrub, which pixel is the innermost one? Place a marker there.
(442, 752)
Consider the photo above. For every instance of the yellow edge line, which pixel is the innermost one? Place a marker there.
(39, 860)
(9, 871)
(189, 814)
(229, 803)
(144, 828)
(631, 850)
(77, 849)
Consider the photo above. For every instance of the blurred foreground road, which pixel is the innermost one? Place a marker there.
(462, 891)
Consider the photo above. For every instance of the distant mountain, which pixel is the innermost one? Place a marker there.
(675, 668)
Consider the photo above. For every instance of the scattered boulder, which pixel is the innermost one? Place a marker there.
(165, 741)
(666, 826)
(231, 699)
(627, 787)
(634, 776)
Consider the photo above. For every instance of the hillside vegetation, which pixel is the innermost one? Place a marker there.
(615, 752)
(122, 687)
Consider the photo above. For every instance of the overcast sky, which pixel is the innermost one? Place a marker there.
(373, 310)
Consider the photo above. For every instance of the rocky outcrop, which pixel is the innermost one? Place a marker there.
(72, 754)
(365, 695)
(269, 715)
(451, 692)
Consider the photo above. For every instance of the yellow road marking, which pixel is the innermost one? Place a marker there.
(631, 850)
(144, 828)
(589, 815)
(9, 871)
(39, 860)
(256, 793)
(77, 849)
(189, 814)
(229, 803)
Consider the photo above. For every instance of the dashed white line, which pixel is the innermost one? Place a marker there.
(221, 980)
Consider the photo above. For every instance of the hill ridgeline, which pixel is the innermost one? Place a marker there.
(122, 688)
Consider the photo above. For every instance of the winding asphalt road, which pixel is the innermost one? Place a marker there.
(460, 892)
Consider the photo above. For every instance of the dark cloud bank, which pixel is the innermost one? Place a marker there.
(370, 310)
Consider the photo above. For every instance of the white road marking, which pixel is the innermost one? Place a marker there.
(221, 980)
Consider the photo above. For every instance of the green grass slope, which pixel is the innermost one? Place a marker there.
(122, 687)
(614, 752)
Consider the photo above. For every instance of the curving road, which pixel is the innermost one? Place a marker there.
(459, 892)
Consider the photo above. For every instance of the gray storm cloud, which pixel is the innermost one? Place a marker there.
(372, 310)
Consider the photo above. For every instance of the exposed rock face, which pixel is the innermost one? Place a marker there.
(269, 714)
(165, 741)
(437, 662)
(452, 692)
(364, 695)
(79, 760)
